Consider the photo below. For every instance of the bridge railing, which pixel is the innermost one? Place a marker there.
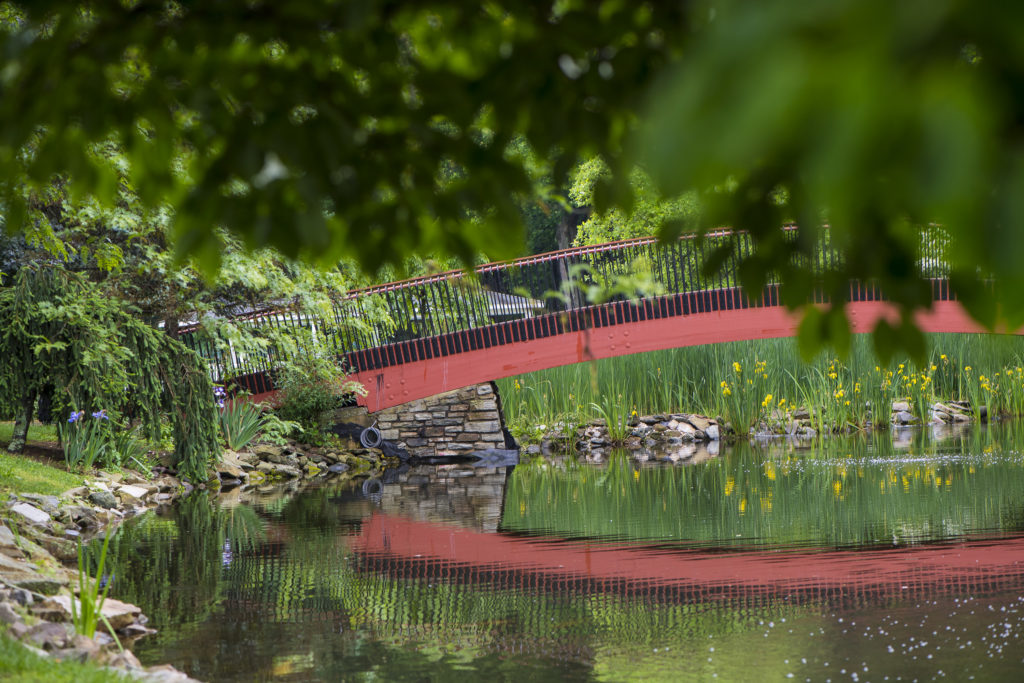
(456, 301)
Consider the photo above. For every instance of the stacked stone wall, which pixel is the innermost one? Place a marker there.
(460, 421)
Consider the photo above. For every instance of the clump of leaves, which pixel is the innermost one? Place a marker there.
(311, 384)
(240, 422)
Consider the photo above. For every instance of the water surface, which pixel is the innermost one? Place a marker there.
(869, 558)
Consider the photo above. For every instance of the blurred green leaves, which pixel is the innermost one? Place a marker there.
(374, 130)
(878, 119)
(324, 128)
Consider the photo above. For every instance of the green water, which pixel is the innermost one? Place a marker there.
(857, 559)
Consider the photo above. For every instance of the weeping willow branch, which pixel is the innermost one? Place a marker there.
(60, 332)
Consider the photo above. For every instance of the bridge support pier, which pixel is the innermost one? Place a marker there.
(461, 421)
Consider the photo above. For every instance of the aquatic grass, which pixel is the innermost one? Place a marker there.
(616, 418)
(87, 611)
(690, 380)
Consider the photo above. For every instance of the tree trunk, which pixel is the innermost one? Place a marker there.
(171, 326)
(21, 423)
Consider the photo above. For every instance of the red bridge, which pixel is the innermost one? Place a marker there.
(455, 329)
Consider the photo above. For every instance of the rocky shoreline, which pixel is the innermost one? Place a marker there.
(683, 437)
(39, 538)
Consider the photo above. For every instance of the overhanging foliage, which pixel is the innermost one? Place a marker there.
(60, 333)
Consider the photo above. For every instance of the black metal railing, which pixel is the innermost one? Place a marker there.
(498, 303)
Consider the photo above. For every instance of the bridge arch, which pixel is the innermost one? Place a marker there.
(454, 330)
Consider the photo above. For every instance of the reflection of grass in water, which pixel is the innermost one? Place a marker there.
(855, 491)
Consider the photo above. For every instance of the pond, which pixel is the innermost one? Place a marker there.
(874, 557)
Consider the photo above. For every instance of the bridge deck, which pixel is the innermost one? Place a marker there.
(453, 330)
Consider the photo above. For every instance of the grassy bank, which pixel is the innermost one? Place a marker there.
(748, 382)
(26, 474)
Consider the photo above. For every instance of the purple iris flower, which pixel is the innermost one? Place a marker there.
(75, 416)
(101, 415)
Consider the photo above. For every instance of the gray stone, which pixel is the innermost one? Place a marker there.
(484, 390)
(264, 451)
(22, 597)
(48, 635)
(712, 432)
(133, 492)
(31, 513)
(105, 499)
(904, 418)
(486, 426)
(900, 407)
(81, 515)
(699, 422)
(8, 544)
(8, 615)
(338, 468)
(46, 503)
(279, 470)
(119, 614)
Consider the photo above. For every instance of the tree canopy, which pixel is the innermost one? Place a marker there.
(377, 130)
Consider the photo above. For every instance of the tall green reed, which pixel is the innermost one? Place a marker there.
(689, 380)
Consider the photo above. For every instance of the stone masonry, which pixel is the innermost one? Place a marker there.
(460, 421)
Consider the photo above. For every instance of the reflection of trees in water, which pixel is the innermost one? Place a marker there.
(241, 594)
(841, 492)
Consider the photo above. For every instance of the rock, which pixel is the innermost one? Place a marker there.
(104, 499)
(51, 609)
(31, 513)
(22, 597)
(699, 422)
(960, 417)
(712, 432)
(21, 574)
(900, 407)
(229, 469)
(338, 468)
(264, 451)
(119, 614)
(8, 544)
(8, 615)
(48, 635)
(133, 492)
(903, 417)
(82, 516)
(137, 630)
(47, 503)
(123, 659)
(63, 549)
(279, 470)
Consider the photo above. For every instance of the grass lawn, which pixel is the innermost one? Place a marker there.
(34, 471)
(18, 664)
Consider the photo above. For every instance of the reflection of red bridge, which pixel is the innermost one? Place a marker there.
(439, 552)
